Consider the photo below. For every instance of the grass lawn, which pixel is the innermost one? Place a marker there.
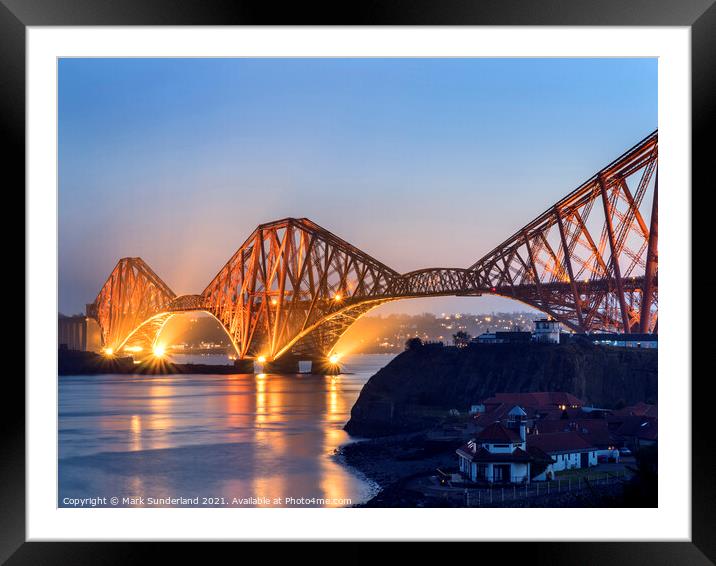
(593, 473)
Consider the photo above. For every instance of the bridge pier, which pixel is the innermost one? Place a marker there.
(244, 366)
(285, 364)
(322, 366)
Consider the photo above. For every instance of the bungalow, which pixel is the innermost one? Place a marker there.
(568, 450)
(498, 454)
(594, 431)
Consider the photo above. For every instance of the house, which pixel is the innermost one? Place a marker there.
(635, 431)
(568, 450)
(513, 337)
(503, 452)
(594, 430)
(498, 454)
(537, 405)
(546, 330)
(486, 338)
(503, 337)
(640, 409)
(625, 340)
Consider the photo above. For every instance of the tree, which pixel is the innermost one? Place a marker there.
(413, 343)
(461, 339)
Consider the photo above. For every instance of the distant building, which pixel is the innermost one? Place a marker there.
(546, 330)
(506, 337)
(624, 340)
(78, 333)
(486, 338)
(513, 336)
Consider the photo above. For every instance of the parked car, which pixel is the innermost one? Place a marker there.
(624, 451)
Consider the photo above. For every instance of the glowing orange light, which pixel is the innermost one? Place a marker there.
(337, 297)
(158, 351)
(261, 359)
(109, 352)
(133, 348)
(274, 302)
(334, 358)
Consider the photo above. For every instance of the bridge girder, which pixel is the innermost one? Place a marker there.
(293, 286)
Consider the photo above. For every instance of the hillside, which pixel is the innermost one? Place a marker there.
(418, 387)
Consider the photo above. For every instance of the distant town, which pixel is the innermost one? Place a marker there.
(374, 334)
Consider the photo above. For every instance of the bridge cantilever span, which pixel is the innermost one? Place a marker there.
(590, 261)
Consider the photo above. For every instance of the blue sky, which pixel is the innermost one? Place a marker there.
(419, 162)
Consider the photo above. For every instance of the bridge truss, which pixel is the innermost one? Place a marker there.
(589, 261)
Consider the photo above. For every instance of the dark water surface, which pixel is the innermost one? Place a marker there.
(229, 440)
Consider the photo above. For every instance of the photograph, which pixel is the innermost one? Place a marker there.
(357, 282)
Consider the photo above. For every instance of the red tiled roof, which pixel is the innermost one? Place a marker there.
(498, 433)
(594, 431)
(645, 428)
(641, 410)
(559, 442)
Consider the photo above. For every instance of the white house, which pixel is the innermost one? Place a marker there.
(568, 450)
(546, 330)
(498, 454)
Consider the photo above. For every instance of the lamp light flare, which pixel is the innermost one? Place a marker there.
(109, 352)
(158, 351)
(334, 358)
(261, 359)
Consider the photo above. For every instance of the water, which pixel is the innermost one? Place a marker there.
(228, 440)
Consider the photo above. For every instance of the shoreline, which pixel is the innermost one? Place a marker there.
(390, 462)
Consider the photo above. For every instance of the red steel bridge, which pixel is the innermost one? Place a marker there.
(590, 261)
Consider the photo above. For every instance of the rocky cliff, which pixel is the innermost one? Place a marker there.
(420, 386)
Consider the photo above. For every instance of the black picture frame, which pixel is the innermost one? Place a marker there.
(699, 15)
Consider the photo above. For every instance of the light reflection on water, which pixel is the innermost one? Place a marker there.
(225, 436)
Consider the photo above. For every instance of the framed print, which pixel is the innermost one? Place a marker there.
(295, 279)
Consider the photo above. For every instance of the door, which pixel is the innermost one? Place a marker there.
(584, 459)
(501, 473)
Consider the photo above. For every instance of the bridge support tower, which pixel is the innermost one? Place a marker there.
(244, 366)
(285, 364)
(322, 366)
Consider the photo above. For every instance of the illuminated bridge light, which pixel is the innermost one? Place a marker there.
(158, 351)
(261, 359)
(334, 358)
(109, 352)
